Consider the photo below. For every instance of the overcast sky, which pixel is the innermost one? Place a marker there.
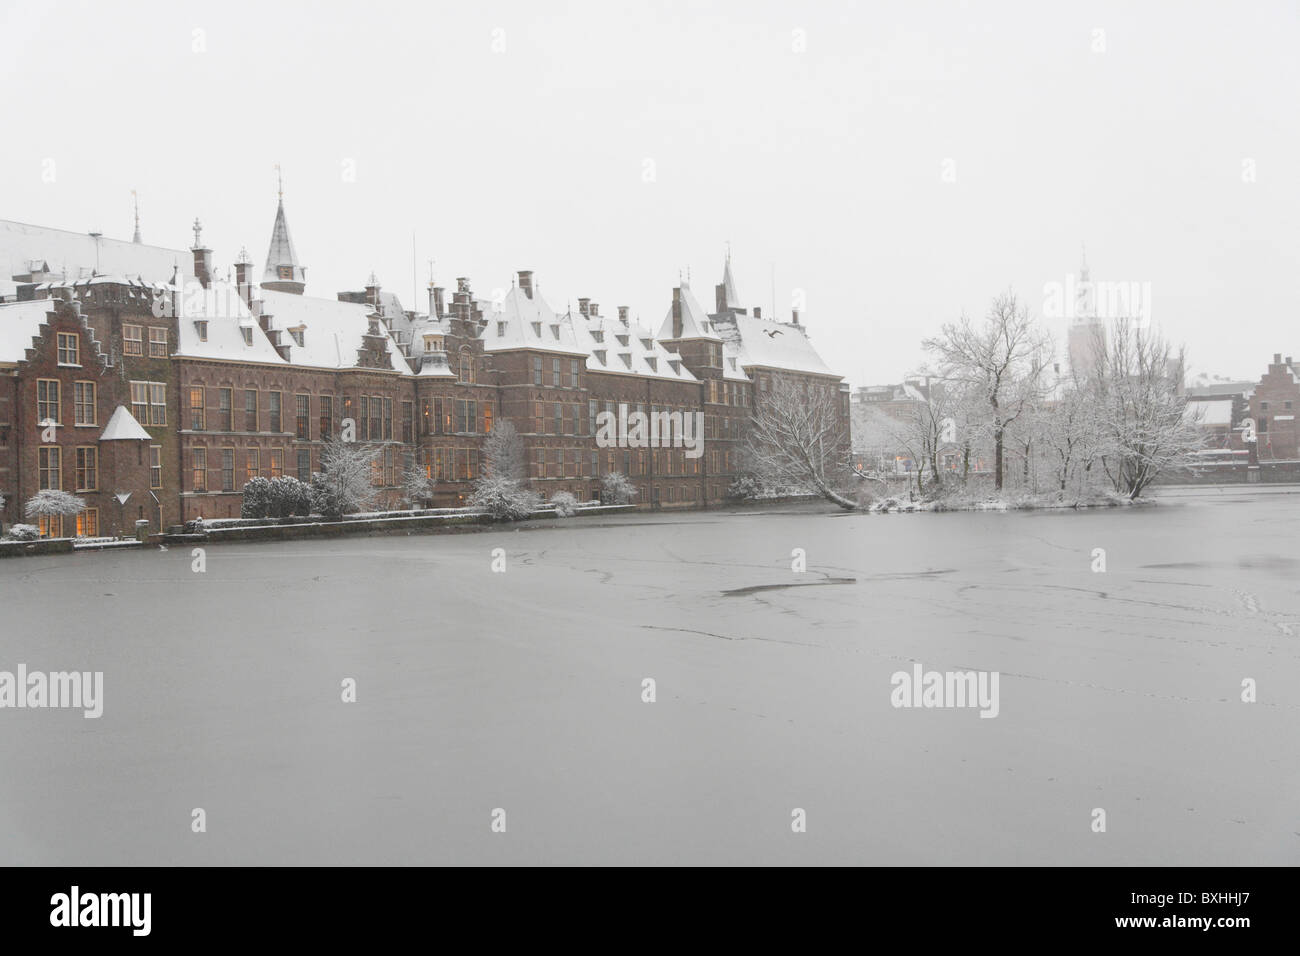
(898, 163)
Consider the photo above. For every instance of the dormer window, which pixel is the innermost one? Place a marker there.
(622, 339)
(677, 366)
(501, 329)
(600, 356)
(247, 331)
(647, 344)
(555, 332)
(433, 343)
(653, 363)
(296, 335)
(732, 362)
(626, 357)
(598, 336)
(537, 329)
(201, 327)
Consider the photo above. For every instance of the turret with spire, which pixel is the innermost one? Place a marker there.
(725, 293)
(283, 272)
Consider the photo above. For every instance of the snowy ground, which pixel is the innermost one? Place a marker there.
(478, 690)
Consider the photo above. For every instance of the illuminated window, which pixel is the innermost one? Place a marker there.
(88, 523)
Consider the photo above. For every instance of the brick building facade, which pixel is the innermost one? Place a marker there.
(208, 383)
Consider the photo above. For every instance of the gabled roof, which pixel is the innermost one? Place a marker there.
(695, 321)
(122, 426)
(281, 252)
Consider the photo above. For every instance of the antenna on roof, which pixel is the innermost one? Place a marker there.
(279, 183)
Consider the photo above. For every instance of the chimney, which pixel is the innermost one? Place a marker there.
(462, 284)
(526, 282)
(1288, 360)
(1277, 358)
(593, 310)
(584, 306)
(439, 304)
(795, 314)
(433, 303)
(203, 266)
(758, 312)
(622, 314)
(372, 292)
(202, 256)
(244, 278)
(720, 297)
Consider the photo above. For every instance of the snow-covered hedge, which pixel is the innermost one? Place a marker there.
(504, 499)
(565, 505)
(23, 532)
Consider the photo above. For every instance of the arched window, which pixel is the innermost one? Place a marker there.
(466, 366)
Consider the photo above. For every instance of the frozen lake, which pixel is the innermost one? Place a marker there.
(523, 691)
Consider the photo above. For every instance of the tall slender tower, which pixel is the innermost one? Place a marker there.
(1086, 334)
(135, 201)
(283, 271)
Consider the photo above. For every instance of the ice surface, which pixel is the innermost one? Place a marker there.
(522, 690)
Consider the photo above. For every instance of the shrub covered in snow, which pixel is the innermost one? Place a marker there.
(257, 498)
(504, 498)
(24, 532)
(289, 496)
(616, 489)
(51, 503)
(566, 506)
(745, 487)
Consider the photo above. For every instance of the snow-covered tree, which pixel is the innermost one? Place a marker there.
(1001, 359)
(565, 505)
(502, 490)
(343, 485)
(1134, 391)
(798, 439)
(417, 486)
(504, 498)
(616, 489)
(503, 453)
(51, 503)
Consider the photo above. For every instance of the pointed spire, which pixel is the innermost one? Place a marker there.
(283, 272)
(135, 201)
(729, 299)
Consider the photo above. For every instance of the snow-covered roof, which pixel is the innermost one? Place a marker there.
(767, 344)
(332, 331)
(19, 323)
(122, 426)
(524, 323)
(1212, 412)
(74, 255)
(226, 315)
(629, 349)
(695, 321)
